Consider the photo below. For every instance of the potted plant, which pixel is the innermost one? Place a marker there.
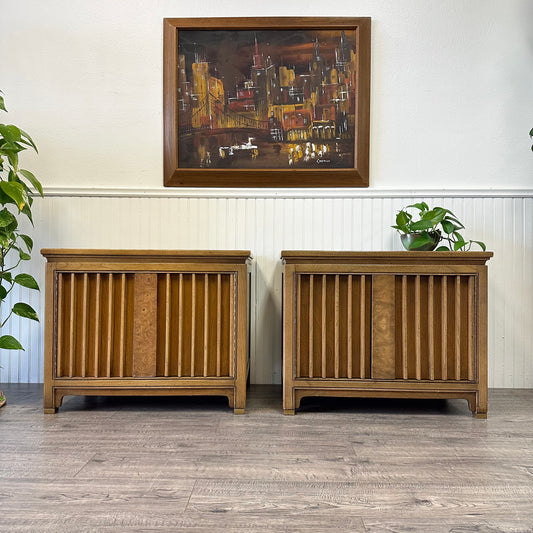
(17, 187)
(430, 228)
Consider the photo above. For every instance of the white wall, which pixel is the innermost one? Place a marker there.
(449, 111)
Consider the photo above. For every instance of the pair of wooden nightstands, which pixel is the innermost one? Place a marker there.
(381, 324)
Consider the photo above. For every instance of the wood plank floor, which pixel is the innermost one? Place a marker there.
(189, 464)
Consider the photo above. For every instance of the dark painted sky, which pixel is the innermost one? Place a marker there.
(230, 52)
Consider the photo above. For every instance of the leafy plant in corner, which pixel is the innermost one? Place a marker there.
(17, 187)
(431, 227)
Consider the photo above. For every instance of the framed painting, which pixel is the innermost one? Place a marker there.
(266, 102)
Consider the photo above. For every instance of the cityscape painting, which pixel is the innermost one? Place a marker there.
(252, 102)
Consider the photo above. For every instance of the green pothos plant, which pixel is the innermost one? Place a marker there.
(430, 228)
(17, 188)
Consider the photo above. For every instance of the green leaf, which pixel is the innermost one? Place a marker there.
(12, 156)
(448, 227)
(27, 211)
(421, 206)
(15, 191)
(4, 198)
(33, 180)
(8, 232)
(26, 281)
(6, 218)
(458, 245)
(481, 245)
(28, 241)
(5, 240)
(7, 276)
(442, 249)
(25, 311)
(421, 225)
(24, 256)
(2, 103)
(7, 342)
(455, 221)
(3, 292)
(10, 133)
(26, 139)
(530, 133)
(402, 219)
(437, 214)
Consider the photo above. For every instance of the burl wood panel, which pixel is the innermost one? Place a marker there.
(127, 323)
(145, 325)
(390, 324)
(383, 327)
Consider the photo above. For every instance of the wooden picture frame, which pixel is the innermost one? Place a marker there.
(266, 102)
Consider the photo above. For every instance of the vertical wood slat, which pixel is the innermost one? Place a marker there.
(298, 324)
(167, 323)
(109, 324)
(431, 334)
(71, 324)
(206, 323)
(457, 327)
(180, 325)
(219, 321)
(97, 324)
(59, 362)
(122, 335)
(349, 326)
(405, 368)
(232, 339)
(470, 322)
(362, 327)
(193, 321)
(444, 328)
(323, 332)
(418, 370)
(311, 318)
(84, 339)
(336, 326)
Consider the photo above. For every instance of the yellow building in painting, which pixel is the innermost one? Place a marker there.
(286, 76)
(208, 97)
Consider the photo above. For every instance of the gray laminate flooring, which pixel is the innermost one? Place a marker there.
(190, 464)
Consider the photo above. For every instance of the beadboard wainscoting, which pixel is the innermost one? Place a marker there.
(268, 222)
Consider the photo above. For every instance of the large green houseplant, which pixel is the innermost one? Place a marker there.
(17, 187)
(431, 228)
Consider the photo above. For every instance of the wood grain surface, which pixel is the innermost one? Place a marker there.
(145, 325)
(342, 465)
(146, 328)
(426, 320)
